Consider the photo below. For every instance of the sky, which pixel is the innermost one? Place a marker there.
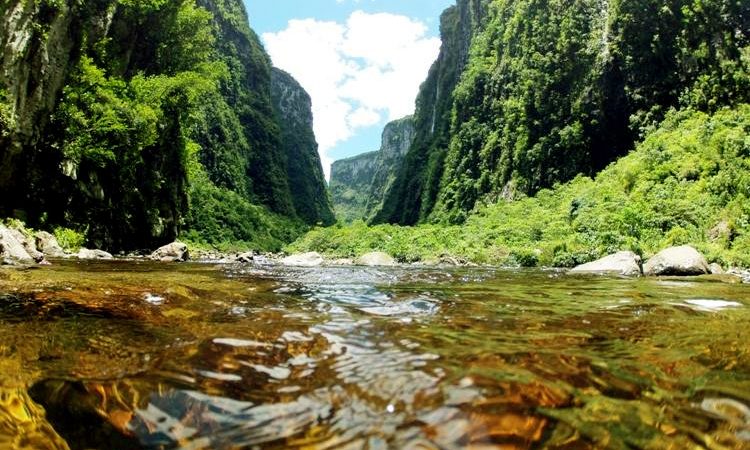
(361, 61)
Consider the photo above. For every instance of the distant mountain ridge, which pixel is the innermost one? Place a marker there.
(359, 183)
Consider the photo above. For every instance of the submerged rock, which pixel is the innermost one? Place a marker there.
(48, 245)
(311, 259)
(85, 253)
(621, 263)
(376, 259)
(174, 252)
(245, 258)
(684, 260)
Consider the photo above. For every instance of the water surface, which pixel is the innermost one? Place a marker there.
(136, 355)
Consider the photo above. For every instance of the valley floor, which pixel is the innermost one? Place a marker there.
(688, 182)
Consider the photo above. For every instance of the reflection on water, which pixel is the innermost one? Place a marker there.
(120, 355)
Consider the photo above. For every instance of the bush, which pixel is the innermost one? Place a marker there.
(70, 240)
(688, 176)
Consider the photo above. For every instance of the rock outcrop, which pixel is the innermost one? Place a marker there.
(174, 252)
(683, 260)
(303, 167)
(358, 184)
(622, 263)
(311, 259)
(12, 251)
(86, 253)
(376, 259)
(48, 245)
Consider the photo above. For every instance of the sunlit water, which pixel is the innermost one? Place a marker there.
(125, 355)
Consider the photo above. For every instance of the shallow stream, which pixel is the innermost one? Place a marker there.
(136, 355)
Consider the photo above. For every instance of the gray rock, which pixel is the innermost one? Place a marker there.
(311, 259)
(742, 274)
(716, 269)
(376, 259)
(27, 244)
(48, 245)
(684, 260)
(174, 252)
(85, 253)
(11, 250)
(621, 263)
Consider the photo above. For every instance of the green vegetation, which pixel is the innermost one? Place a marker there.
(70, 240)
(225, 220)
(6, 118)
(688, 182)
(351, 180)
(554, 89)
(412, 195)
(164, 126)
(304, 170)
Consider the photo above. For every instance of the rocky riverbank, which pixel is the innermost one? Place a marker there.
(20, 246)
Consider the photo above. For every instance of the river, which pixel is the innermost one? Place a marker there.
(139, 355)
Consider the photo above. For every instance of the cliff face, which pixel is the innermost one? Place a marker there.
(120, 117)
(359, 183)
(413, 193)
(398, 137)
(527, 94)
(351, 179)
(37, 45)
(564, 89)
(304, 171)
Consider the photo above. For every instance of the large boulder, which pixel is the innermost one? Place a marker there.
(174, 252)
(621, 263)
(27, 243)
(376, 259)
(48, 245)
(311, 259)
(684, 260)
(12, 251)
(85, 253)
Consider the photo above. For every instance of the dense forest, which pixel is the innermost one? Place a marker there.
(550, 89)
(138, 121)
(556, 132)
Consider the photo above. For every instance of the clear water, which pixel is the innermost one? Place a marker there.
(127, 355)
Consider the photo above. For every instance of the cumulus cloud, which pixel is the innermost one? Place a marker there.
(357, 73)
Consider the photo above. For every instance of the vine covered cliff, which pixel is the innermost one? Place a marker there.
(139, 121)
(358, 184)
(549, 90)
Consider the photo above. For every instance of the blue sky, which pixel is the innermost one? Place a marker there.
(361, 61)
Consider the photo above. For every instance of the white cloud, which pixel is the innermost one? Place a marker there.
(357, 73)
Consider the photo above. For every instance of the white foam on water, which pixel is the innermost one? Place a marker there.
(232, 342)
(153, 299)
(702, 304)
